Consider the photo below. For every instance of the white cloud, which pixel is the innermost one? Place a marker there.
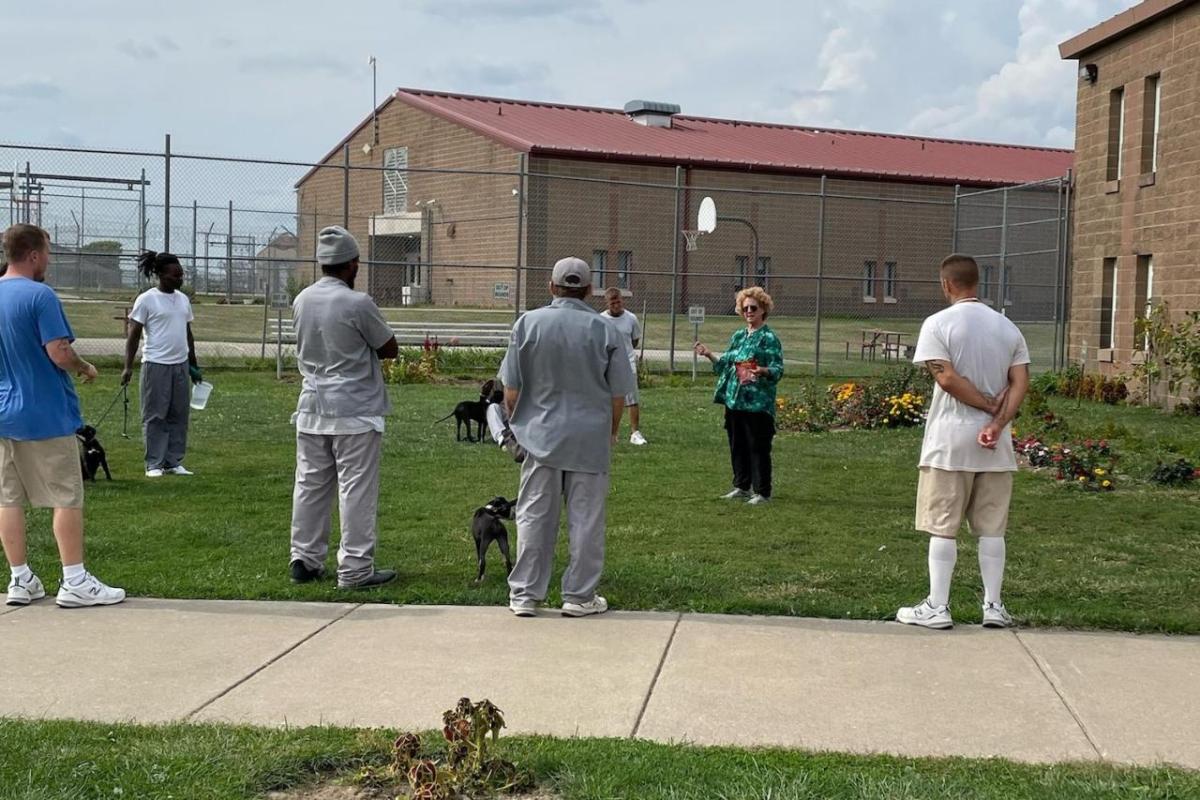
(843, 60)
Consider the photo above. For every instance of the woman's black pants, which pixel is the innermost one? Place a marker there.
(750, 434)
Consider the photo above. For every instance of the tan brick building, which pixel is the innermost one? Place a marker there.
(615, 187)
(1137, 176)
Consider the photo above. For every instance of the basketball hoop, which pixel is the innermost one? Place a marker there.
(692, 237)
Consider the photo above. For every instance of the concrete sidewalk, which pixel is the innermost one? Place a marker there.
(852, 686)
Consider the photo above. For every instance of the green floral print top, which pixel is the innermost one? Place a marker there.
(762, 348)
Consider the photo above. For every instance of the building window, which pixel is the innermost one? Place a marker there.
(741, 268)
(1116, 133)
(1150, 111)
(985, 283)
(624, 267)
(762, 271)
(395, 180)
(1144, 301)
(889, 280)
(599, 263)
(868, 285)
(1108, 303)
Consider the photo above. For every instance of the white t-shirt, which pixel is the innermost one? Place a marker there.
(630, 329)
(165, 318)
(982, 345)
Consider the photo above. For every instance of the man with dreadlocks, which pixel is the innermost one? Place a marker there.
(168, 360)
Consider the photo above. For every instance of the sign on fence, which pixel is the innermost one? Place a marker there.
(696, 315)
(501, 290)
(280, 300)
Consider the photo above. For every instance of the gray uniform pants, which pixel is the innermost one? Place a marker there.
(348, 465)
(539, 503)
(165, 408)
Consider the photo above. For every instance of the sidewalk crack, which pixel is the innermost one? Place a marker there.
(654, 681)
(287, 651)
(1050, 679)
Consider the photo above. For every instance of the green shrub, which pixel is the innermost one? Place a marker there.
(1177, 473)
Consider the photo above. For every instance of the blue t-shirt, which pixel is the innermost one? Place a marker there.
(37, 399)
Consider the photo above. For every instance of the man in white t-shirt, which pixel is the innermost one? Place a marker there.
(631, 334)
(981, 365)
(164, 314)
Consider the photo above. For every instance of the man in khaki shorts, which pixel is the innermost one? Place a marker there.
(981, 365)
(39, 414)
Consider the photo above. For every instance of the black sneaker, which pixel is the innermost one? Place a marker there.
(512, 448)
(301, 573)
(377, 578)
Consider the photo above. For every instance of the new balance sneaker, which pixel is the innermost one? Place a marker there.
(88, 592)
(736, 494)
(597, 605)
(758, 500)
(24, 592)
(637, 438)
(926, 615)
(154, 473)
(179, 469)
(995, 615)
(523, 608)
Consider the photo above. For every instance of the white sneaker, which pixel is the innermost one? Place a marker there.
(736, 494)
(995, 615)
(89, 592)
(637, 438)
(597, 605)
(179, 470)
(523, 608)
(926, 615)
(24, 592)
(758, 500)
(154, 473)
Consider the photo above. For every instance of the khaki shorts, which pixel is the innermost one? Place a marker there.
(43, 473)
(945, 498)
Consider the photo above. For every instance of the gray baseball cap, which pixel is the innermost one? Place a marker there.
(335, 245)
(572, 273)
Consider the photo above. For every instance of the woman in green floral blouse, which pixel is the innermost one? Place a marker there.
(747, 374)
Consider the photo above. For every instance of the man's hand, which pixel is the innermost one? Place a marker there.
(989, 437)
(195, 373)
(87, 371)
(126, 376)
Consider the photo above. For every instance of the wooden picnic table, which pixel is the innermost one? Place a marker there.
(890, 342)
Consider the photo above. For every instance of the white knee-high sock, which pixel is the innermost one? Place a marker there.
(942, 555)
(991, 566)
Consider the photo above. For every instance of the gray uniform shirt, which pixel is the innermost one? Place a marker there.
(338, 331)
(568, 363)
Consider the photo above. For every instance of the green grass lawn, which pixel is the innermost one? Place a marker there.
(837, 542)
(85, 761)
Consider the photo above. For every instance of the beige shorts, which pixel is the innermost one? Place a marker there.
(43, 473)
(945, 498)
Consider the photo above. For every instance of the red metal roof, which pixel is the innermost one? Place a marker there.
(606, 133)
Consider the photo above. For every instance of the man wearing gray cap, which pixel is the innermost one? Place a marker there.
(565, 378)
(340, 338)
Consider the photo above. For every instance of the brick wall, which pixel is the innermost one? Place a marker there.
(1143, 214)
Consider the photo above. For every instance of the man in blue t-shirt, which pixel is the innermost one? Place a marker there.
(39, 414)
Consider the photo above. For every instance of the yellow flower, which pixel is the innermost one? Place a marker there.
(1082, 478)
(1099, 471)
(1106, 484)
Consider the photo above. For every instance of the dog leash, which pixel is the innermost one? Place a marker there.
(122, 391)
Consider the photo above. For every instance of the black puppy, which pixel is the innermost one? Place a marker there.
(474, 411)
(92, 457)
(486, 527)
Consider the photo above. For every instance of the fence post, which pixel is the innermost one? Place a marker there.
(522, 187)
(229, 258)
(166, 245)
(954, 228)
(1002, 284)
(1064, 306)
(675, 264)
(315, 241)
(1058, 234)
(820, 277)
(346, 186)
(82, 233)
(195, 209)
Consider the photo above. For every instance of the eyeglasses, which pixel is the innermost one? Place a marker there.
(749, 308)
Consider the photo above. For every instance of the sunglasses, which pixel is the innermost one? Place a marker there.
(749, 308)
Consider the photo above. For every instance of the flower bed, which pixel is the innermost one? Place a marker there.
(895, 401)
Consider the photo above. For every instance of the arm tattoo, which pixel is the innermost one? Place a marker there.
(935, 367)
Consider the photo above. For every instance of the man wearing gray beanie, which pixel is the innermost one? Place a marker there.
(340, 338)
(566, 374)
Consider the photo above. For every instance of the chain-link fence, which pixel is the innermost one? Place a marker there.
(459, 253)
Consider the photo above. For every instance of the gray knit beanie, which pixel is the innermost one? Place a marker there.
(335, 245)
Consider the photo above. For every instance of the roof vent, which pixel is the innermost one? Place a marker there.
(651, 113)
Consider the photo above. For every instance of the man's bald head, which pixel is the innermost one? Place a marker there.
(961, 271)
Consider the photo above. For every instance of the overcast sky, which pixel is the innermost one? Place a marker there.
(288, 80)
